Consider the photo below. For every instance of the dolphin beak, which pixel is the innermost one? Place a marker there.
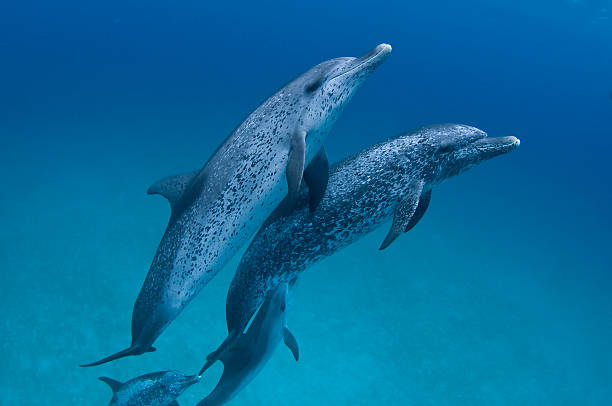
(375, 56)
(365, 64)
(491, 147)
(191, 379)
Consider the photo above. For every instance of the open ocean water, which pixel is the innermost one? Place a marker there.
(500, 295)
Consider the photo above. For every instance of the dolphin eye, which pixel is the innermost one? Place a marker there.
(311, 87)
(445, 147)
(283, 306)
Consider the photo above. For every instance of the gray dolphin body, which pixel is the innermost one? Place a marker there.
(216, 210)
(391, 179)
(154, 389)
(250, 351)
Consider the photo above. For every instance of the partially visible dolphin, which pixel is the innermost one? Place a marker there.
(154, 389)
(393, 179)
(249, 352)
(215, 210)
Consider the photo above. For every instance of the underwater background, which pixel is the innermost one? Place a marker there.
(501, 294)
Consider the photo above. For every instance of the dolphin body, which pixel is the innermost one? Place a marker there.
(154, 389)
(393, 179)
(249, 352)
(215, 210)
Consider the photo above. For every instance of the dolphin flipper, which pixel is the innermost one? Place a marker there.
(208, 364)
(213, 357)
(420, 210)
(316, 176)
(172, 187)
(404, 212)
(218, 354)
(291, 342)
(295, 167)
(114, 385)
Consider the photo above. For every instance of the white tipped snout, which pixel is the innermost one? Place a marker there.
(511, 140)
(378, 54)
(386, 48)
(497, 145)
(366, 63)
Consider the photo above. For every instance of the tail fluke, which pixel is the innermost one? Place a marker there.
(133, 350)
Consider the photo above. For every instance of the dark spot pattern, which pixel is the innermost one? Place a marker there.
(362, 193)
(154, 389)
(239, 187)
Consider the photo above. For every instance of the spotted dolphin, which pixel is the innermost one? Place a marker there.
(249, 352)
(393, 179)
(215, 210)
(154, 389)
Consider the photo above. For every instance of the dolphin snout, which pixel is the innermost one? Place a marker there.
(364, 65)
(377, 55)
(384, 48)
(191, 379)
(381, 49)
(490, 147)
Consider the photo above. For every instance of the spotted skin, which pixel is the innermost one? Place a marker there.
(154, 389)
(243, 182)
(362, 193)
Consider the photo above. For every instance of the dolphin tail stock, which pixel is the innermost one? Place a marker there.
(133, 350)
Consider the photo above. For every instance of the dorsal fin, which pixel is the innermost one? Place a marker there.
(172, 187)
(114, 385)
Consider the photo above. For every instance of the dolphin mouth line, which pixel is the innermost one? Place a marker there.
(496, 144)
(385, 49)
(192, 379)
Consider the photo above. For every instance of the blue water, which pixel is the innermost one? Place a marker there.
(500, 296)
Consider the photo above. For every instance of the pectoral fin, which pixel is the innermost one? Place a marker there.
(172, 187)
(295, 166)
(291, 342)
(316, 176)
(404, 212)
(420, 210)
(228, 345)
